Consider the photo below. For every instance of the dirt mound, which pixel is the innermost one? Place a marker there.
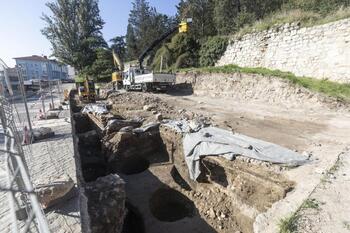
(252, 87)
(150, 108)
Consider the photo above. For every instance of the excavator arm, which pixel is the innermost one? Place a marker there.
(182, 28)
(118, 63)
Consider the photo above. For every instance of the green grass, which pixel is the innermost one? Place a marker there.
(333, 89)
(346, 225)
(289, 224)
(305, 18)
(311, 204)
(326, 177)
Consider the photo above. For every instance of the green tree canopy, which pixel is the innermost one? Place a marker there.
(101, 69)
(119, 46)
(74, 31)
(145, 26)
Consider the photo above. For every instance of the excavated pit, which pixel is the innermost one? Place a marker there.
(134, 165)
(164, 200)
(133, 222)
(161, 197)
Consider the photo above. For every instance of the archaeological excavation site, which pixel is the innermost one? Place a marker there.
(207, 156)
(175, 116)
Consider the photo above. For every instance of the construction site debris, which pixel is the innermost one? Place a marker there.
(149, 107)
(42, 133)
(115, 125)
(54, 190)
(147, 127)
(98, 109)
(185, 126)
(159, 117)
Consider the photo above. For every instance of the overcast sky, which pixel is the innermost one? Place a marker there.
(21, 24)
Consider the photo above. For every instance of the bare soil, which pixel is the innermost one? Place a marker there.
(267, 109)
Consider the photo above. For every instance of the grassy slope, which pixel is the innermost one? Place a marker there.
(305, 18)
(337, 90)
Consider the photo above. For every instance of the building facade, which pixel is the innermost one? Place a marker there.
(38, 67)
(13, 78)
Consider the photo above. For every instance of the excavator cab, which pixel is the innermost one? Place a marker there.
(184, 25)
(86, 91)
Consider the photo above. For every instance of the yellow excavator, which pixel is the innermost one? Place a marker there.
(86, 90)
(117, 75)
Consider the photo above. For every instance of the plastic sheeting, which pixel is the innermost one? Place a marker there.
(184, 126)
(213, 141)
(95, 108)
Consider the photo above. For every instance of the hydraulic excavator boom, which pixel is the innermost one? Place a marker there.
(181, 28)
(117, 76)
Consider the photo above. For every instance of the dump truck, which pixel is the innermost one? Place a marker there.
(136, 79)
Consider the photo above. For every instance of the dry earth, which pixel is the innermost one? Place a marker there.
(267, 109)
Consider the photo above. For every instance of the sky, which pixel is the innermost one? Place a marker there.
(20, 24)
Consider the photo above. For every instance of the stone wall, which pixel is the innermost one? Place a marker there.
(321, 51)
(101, 201)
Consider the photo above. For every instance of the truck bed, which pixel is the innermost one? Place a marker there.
(155, 78)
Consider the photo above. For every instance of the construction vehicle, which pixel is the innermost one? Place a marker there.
(86, 90)
(139, 78)
(117, 75)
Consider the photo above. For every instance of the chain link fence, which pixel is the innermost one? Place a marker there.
(24, 212)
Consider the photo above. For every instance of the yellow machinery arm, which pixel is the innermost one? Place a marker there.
(119, 65)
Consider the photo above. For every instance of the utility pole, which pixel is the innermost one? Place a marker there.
(21, 81)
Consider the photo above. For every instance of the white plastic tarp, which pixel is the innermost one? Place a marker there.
(213, 141)
(95, 108)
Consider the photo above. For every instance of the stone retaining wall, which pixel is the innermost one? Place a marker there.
(321, 51)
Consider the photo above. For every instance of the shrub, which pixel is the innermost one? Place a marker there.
(181, 52)
(212, 50)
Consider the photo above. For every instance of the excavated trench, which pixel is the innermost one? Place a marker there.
(160, 197)
(166, 199)
(134, 165)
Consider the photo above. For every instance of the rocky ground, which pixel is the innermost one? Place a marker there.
(308, 123)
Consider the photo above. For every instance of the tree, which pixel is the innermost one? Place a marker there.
(119, 46)
(74, 31)
(201, 11)
(225, 13)
(101, 69)
(145, 26)
(131, 43)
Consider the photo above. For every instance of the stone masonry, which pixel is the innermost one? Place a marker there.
(321, 51)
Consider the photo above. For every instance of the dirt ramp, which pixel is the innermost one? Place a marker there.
(253, 87)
